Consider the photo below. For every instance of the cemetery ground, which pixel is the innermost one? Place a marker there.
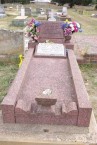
(8, 69)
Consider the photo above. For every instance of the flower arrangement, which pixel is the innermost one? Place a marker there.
(70, 27)
(32, 30)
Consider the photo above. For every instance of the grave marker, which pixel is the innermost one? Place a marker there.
(28, 11)
(64, 11)
(2, 12)
(22, 11)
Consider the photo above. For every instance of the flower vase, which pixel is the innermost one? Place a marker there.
(67, 38)
(32, 44)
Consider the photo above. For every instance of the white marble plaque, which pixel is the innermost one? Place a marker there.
(50, 49)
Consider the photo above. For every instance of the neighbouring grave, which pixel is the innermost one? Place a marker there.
(22, 11)
(28, 12)
(51, 17)
(20, 20)
(48, 87)
(62, 15)
(42, 17)
(64, 11)
(2, 12)
(48, 10)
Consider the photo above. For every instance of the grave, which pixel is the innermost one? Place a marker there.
(48, 86)
(48, 10)
(56, 97)
(28, 11)
(64, 11)
(2, 12)
(42, 17)
(62, 15)
(39, 10)
(45, 103)
(51, 17)
(20, 20)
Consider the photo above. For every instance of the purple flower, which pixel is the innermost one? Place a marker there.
(67, 31)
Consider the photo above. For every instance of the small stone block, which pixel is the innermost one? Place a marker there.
(23, 107)
(46, 101)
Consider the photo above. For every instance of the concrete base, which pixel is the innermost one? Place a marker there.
(63, 18)
(24, 134)
(19, 21)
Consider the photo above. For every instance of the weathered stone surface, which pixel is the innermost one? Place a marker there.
(28, 11)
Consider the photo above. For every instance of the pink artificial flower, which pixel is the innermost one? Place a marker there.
(35, 37)
(67, 31)
(31, 22)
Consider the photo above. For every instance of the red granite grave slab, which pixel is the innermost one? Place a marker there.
(50, 93)
(81, 93)
(9, 102)
(48, 90)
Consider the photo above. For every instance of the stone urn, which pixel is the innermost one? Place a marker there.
(67, 38)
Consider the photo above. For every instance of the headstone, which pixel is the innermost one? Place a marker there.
(38, 10)
(22, 11)
(2, 12)
(51, 17)
(64, 11)
(17, 7)
(28, 11)
(48, 10)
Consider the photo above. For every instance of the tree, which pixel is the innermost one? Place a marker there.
(72, 2)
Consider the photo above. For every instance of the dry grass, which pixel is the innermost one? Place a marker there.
(88, 24)
(89, 73)
(8, 70)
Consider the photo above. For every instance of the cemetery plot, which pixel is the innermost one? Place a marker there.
(48, 90)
